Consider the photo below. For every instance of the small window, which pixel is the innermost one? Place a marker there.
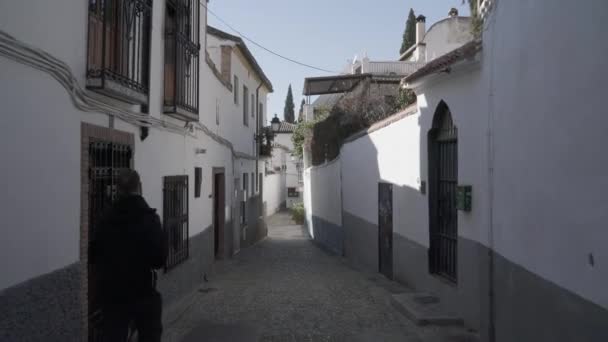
(292, 192)
(260, 115)
(252, 105)
(246, 184)
(260, 180)
(235, 87)
(198, 180)
(217, 111)
(245, 105)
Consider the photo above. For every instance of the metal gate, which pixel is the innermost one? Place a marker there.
(175, 218)
(443, 172)
(106, 160)
(385, 229)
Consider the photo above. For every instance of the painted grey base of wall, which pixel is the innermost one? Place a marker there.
(412, 268)
(46, 308)
(328, 236)
(256, 227)
(360, 242)
(49, 308)
(185, 277)
(527, 307)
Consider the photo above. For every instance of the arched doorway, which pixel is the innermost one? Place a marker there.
(443, 180)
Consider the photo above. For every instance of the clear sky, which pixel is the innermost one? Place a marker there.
(323, 33)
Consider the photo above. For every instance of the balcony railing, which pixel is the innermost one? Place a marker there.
(182, 45)
(119, 48)
(265, 150)
(392, 68)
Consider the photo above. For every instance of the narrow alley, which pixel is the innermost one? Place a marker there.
(285, 288)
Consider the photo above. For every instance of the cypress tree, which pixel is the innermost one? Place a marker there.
(289, 110)
(409, 35)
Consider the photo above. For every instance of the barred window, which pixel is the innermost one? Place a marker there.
(118, 52)
(175, 218)
(182, 46)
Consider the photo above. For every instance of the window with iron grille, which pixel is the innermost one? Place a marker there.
(118, 53)
(182, 46)
(245, 105)
(292, 192)
(175, 218)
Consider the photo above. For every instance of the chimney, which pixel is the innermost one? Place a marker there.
(226, 67)
(420, 28)
(453, 13)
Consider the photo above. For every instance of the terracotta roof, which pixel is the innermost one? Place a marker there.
(468, 50)
(286, 127)
(248, 55)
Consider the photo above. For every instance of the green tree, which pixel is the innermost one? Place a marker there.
(409, 35)
(289, 110)
(301, 114)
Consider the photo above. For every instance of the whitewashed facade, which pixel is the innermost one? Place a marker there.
(529, 251)
(44, 281)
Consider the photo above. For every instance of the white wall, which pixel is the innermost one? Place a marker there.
(231, 115)
(323, 193)
(282, 157)
(446, 35)
(550, 202)
(274, 192)
(372, 159)
(40, 202)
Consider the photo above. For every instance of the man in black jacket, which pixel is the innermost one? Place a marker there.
(127, 247)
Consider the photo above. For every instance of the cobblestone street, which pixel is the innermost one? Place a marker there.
(287, 289)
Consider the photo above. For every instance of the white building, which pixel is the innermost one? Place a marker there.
(284, 179)
(495, 122)
(89, 90)
(442, 37)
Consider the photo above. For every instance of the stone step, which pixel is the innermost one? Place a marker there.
(424, 309)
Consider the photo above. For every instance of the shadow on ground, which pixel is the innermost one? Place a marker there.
(287, 289)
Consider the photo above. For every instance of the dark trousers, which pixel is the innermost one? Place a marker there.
(145, 313)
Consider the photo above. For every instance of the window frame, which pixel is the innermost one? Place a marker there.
(235, 89)
(245, 105)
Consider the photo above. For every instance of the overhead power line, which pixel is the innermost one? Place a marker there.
(263, 47)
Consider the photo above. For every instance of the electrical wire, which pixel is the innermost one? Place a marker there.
(36, 58)
(263, 47)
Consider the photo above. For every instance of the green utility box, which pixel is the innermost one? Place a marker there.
(464, 197)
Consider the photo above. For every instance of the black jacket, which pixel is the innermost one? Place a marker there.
(127, 246)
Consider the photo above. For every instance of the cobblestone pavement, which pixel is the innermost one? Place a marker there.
(287, 289)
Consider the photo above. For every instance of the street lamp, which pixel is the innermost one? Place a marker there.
(275, 124)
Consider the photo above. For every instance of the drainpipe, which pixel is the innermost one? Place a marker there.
(257, 151)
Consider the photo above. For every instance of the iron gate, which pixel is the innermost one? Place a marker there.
(443, 169)
(106, 160)
(175, 218)
(385, 229)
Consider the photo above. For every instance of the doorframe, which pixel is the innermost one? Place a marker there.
(89, 132)
(221, 233)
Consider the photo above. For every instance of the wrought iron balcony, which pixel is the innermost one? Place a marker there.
(265, 150)
(118, 54)
(182, 46)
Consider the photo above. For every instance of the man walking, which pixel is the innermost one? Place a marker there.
(127, 247)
